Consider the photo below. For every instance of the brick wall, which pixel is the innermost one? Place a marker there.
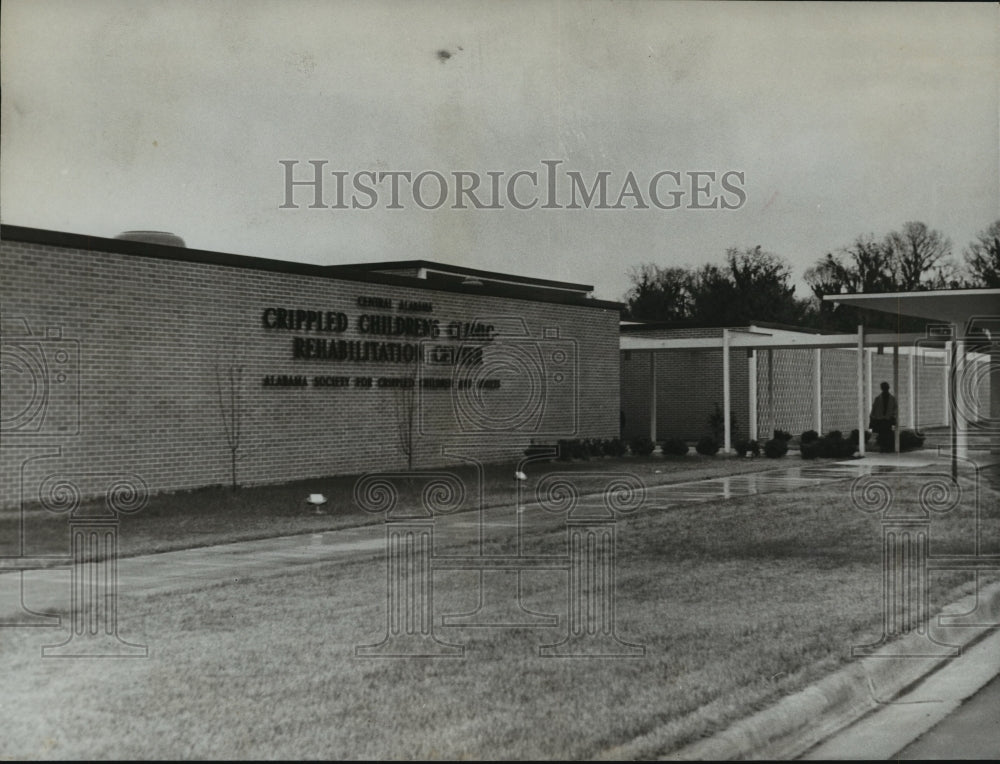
(147, 343)
(689, 383)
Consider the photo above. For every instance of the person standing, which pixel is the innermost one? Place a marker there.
(883, 418)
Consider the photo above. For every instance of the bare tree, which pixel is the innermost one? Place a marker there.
(922, 257)
(659, 294)
(866, 265)
(982, 257)
(229, 385)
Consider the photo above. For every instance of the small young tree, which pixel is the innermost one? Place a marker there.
(229, 386)
(406, 416)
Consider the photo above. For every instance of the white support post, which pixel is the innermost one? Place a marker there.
(895, 390)
(818, 390)
(752, 435)
(862, 403)
(993, 364)
(948, 361)
(869, 376)
(772, 416)
(726, 403)
(961, 403)
(911, 396)
(652, 395)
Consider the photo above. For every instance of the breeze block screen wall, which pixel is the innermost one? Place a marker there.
(123, 356)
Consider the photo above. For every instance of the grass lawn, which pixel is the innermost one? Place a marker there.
(216, 515)
(737, 602)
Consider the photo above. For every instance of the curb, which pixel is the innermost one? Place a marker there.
(800, 721)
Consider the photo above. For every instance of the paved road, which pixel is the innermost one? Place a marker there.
(971, 732)
(953, 713)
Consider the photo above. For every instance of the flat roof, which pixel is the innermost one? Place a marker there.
(459, 270)
(494, 285)
(954, 306)
(642, 326)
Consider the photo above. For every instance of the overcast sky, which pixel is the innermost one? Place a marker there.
(175, 115)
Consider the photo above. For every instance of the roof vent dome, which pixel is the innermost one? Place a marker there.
(153, 237)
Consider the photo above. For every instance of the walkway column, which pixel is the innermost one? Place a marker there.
(912, 389)
(869, 374)
(895, 390)
(949, 360)
(994, 367)
(726, 405)
(818, 390)
(652, 395)
(752, 426)
(862, 404)
(961, 410)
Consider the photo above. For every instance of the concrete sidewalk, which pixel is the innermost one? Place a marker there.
(890, 731)
(47, 589)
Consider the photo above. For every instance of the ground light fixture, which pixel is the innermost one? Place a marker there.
(317, 500)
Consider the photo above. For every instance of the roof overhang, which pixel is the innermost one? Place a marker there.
(953, 306)
(760, 340)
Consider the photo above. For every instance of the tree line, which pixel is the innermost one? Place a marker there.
(753, 284)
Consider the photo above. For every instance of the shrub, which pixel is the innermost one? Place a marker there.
(776, 448)
(835, 447)
(782, 435)
(751, 447)
(808, 436)
(811, 449)
(593, 447)
(674, 447)
(830, 446)
(614, 447)
(573, 449)
(707, 446)
(909, 440)
(641, 446)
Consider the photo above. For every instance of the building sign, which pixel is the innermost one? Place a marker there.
(315, 338)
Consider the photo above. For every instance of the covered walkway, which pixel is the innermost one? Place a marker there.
(962, 349)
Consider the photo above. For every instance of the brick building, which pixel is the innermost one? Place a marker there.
(160, 361)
